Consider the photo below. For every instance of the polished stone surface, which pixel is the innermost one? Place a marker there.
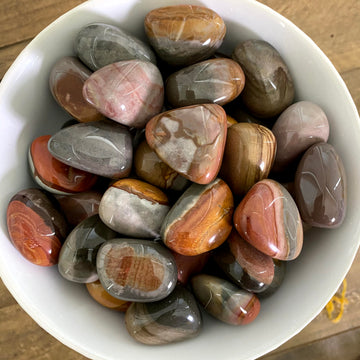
(200, 220)
(184, 34)
(269, 86)
(321, 187)
(268, 219)
(102, 147)
(190, 140)
(129, 92)
(99, 44)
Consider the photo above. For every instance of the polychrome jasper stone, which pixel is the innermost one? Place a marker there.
(134, 208)
(36, 228)
(77, 260)
(100, 44)
(129, 92)
(149, 167)
(320, 187)
(101, 296)
(298, 127)
(248, 267)
(184, 34)
(66, 82)
(136, 270)
(269, 86)
(217, 81)
(200, 220)
(190, 140)
(53, 175)
(102, 147)
(268, 219)
(248, 157)
(224, 301)
(173, 319)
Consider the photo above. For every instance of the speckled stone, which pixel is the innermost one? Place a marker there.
(321, 187)
(99, 44)
(190, 140)
(269, 86)
(224, 301)
(173, 319)
(268, 219)
(136, 270)
(129, 92)
(184, 34)
(102, 147)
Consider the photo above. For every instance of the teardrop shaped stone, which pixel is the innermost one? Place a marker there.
(224, 301)
(102, 147)
(173, 319)
(190, 140)
(268, 219)
(136, 270)
(99, 44)
(320, 187)
(129, 92)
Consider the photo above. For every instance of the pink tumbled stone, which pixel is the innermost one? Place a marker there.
(129, 92)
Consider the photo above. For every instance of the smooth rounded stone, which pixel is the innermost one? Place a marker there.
(298, 127)
(268, 219)
(53, 175)
(216, 81)
(248, 157)
(321, 187)
(101, 296)
(200, 220)
(36, 228)
(129, 92)
(99, 44)
(102, 147)
(191, 140)
(134, 208)
(78, 207)
(136, 270)
(149, 167)
(77, 259)
(269, 86)
(248, 267)
(173, 319)
(224, 301)
(184, 34)
(66, 81)
(230, 121)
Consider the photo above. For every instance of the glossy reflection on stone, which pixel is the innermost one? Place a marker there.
(36, 228)
(190, 140)
(268, 219)
(136, 270)
(173, 319)
(225, 301)
(134, 208)
(184, 34)
(77, 260)
(320, 187)
(200, 220)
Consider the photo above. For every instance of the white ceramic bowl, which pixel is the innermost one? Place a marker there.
(65, 309)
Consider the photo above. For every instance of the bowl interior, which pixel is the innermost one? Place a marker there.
(65, 309)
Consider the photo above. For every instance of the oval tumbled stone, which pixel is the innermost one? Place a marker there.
(134, 208)
(320, 187)
(200, 220)
(36, 228)
(184, 34)
(136, 270)
(101, 147)
(268, 219)
(100, 44)
(129, 92)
